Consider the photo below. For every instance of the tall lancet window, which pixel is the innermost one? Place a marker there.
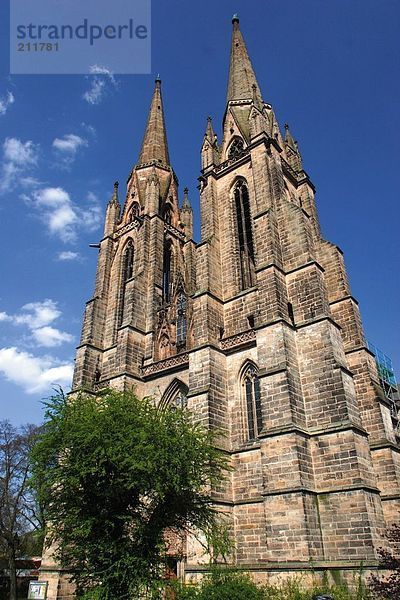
(126, 274)
(245, 235)
(181, 322)
(252, 393)
(166, 284)
(128, 262)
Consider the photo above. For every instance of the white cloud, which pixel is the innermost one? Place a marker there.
(18, 157)
(34, 374)
(101, 80)
(66, 255)
(5, 102)
(20, 153)
(30, 182)
(69, 143)
(55, 207)
(38, 314)
(66, 149)
(61, 216)
(51, 337)
(37, 317)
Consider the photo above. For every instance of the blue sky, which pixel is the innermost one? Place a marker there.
(330, 69)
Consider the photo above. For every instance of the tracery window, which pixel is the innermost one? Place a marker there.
(181, 321)
(236, 148)
(166, 284)
(252, 393)
(245, 235)
(175, 396)
(180, 400)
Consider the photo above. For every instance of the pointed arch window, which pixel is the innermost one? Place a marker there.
(129, 256)
(245, 234)
(126, 275)
(252, 393)
(181, 322)
(175, 396)
(166, 284)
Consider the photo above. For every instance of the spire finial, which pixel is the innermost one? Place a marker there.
(235, 18)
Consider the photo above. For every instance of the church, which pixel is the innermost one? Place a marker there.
(256, 331)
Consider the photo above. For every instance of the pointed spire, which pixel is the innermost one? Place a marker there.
(112, 213)
(154, 145)
(114, 197)
(186, 202)
(210, 134)
(186, 215)
(289, 138)
(241, 72)
(293, 156)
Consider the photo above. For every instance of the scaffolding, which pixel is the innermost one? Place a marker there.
(387, 378)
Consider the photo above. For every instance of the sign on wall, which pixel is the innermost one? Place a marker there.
(37, 590)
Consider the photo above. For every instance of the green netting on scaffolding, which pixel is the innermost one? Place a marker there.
(384, 364)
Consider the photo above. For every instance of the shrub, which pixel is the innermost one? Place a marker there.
(230, 585)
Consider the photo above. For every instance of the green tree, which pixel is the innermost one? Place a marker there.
(20, 517)
(114, 473)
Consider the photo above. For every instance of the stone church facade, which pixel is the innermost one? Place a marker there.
(255, 329)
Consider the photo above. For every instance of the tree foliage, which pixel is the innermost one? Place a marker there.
(20, 517)
(389, 587)
(114, 473)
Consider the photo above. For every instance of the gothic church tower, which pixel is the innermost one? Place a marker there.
(256, 330)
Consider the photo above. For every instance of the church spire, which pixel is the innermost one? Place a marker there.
(186, 202)
(155, 145)
(292, 150)
(241, 73)
(289, 138)
(114, 197)
(210, 135)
